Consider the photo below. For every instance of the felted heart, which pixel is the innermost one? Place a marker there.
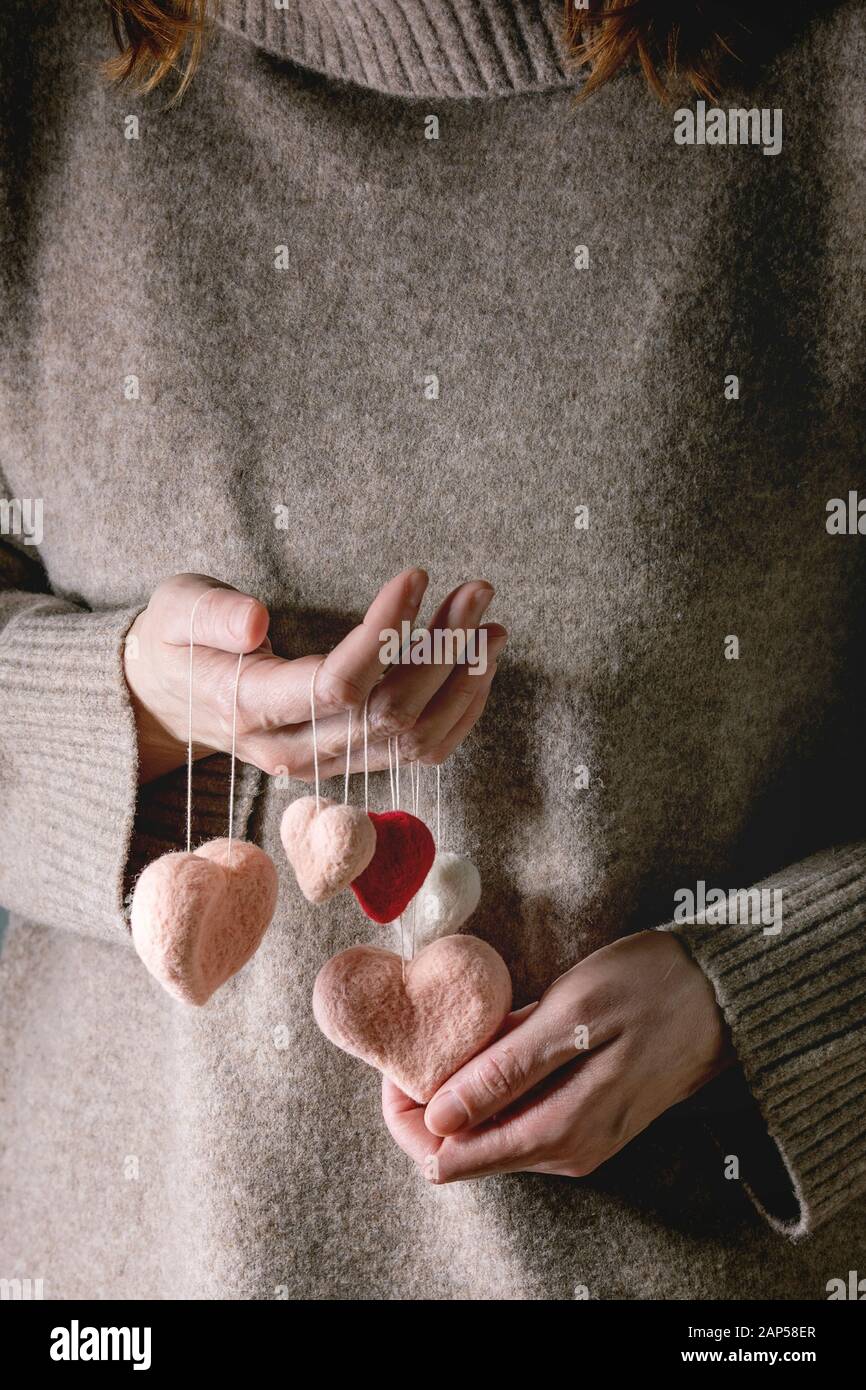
(326, 848)
(448, 896)
(456, 994)
(405, 850)
(196, 918)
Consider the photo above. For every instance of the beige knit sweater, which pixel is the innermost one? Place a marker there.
(165, 388)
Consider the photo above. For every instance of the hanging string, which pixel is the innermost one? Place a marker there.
(366, 761)
(234, 746)
(394, 778)
(189, 726)
(348, 760)
(391, 776)
(189, 758)
(438, 806)
(313, 722)
(415, 778)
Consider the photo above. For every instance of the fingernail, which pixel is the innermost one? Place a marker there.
(418, 587)
(465, 612)
(446, 1114)
(239, 617)
(495, 645)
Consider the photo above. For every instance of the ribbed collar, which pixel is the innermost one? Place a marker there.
(420, 48)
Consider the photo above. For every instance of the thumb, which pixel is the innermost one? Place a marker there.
(223, 617)
(523, 1054)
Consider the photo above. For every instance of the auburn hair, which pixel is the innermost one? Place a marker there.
(671, 40)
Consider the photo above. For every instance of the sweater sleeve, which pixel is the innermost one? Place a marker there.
(795, 1002)
(75, 829)
(68, 754)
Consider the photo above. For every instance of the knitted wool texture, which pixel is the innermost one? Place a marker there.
(265, 1162)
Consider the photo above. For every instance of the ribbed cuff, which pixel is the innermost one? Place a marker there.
(75, 828)
(795, 1003)
(69, 765)
(160, 820)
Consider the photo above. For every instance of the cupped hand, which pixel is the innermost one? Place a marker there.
(431, 708)
(630, 1031)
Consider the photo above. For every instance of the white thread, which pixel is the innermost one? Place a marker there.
(395, 803)
(234, 746)
(189, 726)
(391, 776)
(348, 759)
(366, 763)
(313, 722)
(415, 774)
(438, 807)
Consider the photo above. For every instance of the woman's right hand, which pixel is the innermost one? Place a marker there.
(431, 707)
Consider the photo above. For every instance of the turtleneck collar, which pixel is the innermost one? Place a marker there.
(414, 48)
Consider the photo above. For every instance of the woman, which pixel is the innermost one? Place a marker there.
(378, 298)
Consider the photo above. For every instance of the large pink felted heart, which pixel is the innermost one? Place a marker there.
(196, 918)
(405, 850)
(455, 997)
(327, 847)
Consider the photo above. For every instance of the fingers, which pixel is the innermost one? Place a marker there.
(407, 689)
(533, 1133)
(350, 671)
(445, 723)
(511, 1066)
(454, 710)
(404, 1119)
(439, 702)
(224, 618)
(277, 692)
(460, 731)
(577, 1119)
(529, 1137)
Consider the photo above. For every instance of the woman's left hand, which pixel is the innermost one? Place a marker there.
(630, 1031)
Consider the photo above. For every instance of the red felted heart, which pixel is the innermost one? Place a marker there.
(405, 851)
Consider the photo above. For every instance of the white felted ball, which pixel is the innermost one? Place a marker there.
(448, 896)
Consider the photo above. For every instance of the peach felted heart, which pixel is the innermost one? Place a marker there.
(456, 994)
(327, 847)
(449, 895)
(196, 918)
(405, 850)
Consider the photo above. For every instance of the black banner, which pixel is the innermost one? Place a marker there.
(66, 1339)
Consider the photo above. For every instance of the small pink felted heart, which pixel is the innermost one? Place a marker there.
(197, 918)
(327, 847)
(455, 996)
